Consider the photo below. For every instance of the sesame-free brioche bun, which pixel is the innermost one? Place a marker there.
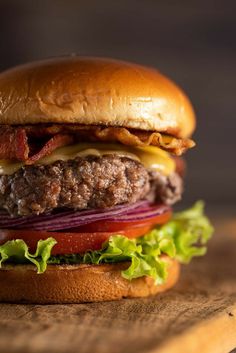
(94, 91)
(77, 283)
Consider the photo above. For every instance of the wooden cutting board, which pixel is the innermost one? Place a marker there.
(198, 316)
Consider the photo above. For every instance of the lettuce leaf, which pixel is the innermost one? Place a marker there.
(182, 238)
(193, 232)
(17, 252)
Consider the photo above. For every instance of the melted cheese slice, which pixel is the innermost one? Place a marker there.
(150, 156)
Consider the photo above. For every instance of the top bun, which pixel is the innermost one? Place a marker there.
(94, 91)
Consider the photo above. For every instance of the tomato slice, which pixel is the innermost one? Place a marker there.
(110, 226)
(89, 237)
(69, 243)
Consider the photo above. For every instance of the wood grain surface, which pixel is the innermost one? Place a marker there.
(199, 315)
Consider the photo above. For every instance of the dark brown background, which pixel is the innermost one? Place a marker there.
(194, 42)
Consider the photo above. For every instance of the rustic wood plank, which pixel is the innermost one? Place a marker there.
(199, 315)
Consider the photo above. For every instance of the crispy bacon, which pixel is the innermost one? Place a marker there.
(54, 142)
(143, 138)
(125, 136)
(21, 144)
(18, 143)
(14, 144)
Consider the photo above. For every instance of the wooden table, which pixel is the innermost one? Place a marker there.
(198, 316)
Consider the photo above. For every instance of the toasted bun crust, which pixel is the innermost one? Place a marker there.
(95, 91)
(77, 283)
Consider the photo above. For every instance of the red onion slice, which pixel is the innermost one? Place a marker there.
(71, 219)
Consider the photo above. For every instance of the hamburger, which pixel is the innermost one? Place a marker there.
(90, 168)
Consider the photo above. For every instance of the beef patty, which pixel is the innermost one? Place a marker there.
(89, 182)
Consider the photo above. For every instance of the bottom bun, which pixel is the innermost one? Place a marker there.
(77, 283)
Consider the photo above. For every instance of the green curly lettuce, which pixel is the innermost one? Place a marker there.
(182, 238)
(16, 251)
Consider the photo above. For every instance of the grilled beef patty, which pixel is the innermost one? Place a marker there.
(89, 182)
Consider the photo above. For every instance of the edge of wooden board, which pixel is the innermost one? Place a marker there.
(215, 335)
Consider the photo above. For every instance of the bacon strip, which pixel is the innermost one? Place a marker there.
(131, 137)
(144, 138)
(15, 142)
(21, 145)
(54, 142)
(14, 145)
